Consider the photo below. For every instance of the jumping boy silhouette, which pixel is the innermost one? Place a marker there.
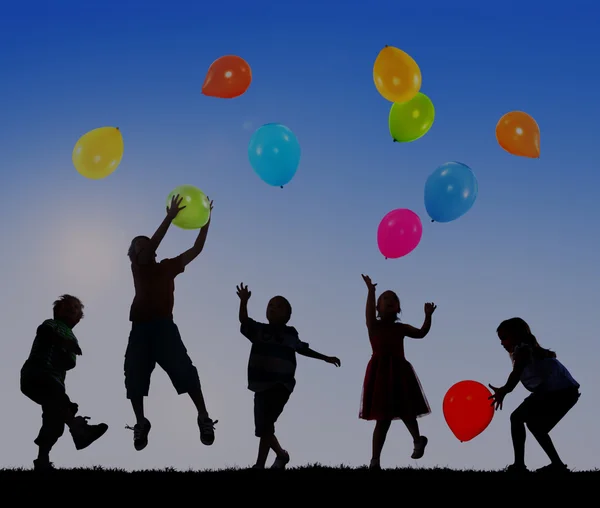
(154, 336)
(53, 353)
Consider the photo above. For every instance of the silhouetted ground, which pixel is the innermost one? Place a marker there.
(317, 485)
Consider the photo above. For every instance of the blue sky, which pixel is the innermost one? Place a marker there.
(528, 247)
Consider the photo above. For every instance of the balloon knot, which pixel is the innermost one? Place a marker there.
(117, 128)
(394, 140)
(281, 186)
(432, 220)
(386, 46)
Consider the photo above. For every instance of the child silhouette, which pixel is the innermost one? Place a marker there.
(554, 392)
(271, 370)
(154, 336)
(53, 353)
(391, 389)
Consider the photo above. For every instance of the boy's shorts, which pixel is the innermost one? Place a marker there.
(157, 342)
(44, 390)
(268, 406)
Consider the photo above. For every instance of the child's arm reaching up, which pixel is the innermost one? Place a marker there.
(309, 353)
(244, 295)
(189, 255)
(420, 333)
(370, 311)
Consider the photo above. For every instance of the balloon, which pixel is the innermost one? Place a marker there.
(399, 233)
(274, 153)
(450, 192)
(519, 134)
(227, 77)
(397, 76)
(467, 409)
(98, 152)
(197, 207)
(411, 120)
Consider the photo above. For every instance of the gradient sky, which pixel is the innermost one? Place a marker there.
(529, 247)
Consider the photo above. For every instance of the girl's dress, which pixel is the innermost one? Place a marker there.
(391, 389)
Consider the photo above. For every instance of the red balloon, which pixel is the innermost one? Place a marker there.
(467, 409)
(227, 77)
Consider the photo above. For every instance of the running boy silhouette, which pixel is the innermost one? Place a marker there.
(53, 353)
(271, 370)
(554, 392)
(154, 336)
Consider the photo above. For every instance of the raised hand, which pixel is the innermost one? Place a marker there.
(173, 209)
(334, 361)
(243, 292)
(497, 398)
(368, 282)
(430, 308)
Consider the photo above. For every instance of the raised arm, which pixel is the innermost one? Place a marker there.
(420, 333)
(370, 311)
(192, 253)
(244, 295)
(161, 231)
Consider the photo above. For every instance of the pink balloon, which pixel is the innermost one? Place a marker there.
(399, 233)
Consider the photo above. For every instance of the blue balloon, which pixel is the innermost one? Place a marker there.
(450, 192)
(274, 154)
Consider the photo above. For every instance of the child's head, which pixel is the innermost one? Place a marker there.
(388, 306)
(68, 309)
(138, 244)
(279, 310)
(515, 331)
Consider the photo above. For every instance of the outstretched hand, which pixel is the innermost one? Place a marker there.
(430, 308)
(173, 209)
(243, 292)
(334, 361)
(368, 282)
(498, 397)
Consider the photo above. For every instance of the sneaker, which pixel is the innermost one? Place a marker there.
(514, 468)
(207, 430)
(43, 466)
(85, 434)
(281, 461)
(553, 468)
(419, 449)
(140, 434)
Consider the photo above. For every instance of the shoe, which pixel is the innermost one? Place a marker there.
(207, 430)
(553, 468)
(85, 434)
(281, 462)
(419, 449)
(514, 468)
(43, 466)
(140, 434)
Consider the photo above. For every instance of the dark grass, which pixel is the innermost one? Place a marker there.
(315, 484)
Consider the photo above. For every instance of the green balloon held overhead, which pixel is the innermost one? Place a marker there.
(411, 120)
(196, 213)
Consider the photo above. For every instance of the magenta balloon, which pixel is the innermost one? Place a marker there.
(399, 233)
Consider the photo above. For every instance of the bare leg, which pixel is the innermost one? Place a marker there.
(519, 434)
(264, 446)
(198, 400)
(276, 447)
(379, 435)
(543, 438)
(137, 404)
(413, 427)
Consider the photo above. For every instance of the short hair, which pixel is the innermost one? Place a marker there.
(66, 299)
(131, 250)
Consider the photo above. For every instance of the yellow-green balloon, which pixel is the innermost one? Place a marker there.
(411, 120)
(197, 207)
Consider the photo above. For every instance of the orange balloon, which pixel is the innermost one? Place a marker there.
(467, 409)
(519, 134)
(227, 77)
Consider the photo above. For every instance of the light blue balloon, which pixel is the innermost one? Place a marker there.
(274, 154)
(450, 192)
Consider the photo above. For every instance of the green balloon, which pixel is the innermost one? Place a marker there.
(197, 207)
(411, 120)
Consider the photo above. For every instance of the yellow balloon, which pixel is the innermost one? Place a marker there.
(98, 152)
(396, 75)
